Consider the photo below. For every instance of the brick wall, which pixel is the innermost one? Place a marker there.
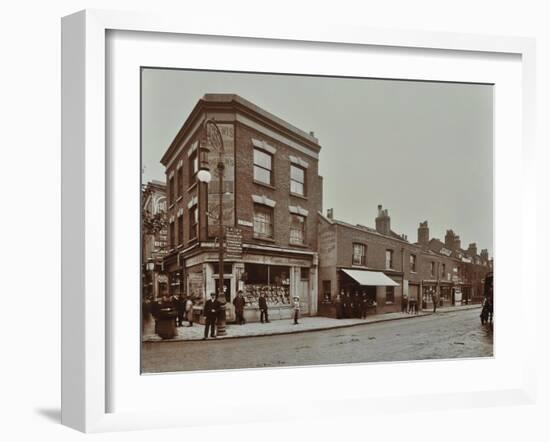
(189, 191)
(279, 192)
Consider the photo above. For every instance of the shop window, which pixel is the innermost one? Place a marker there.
(271, 281)
(193, 167)
(193, 222)
(297, 180)
(359, 254)
(263, 221)
(174, 281)
(427, 293)
(180, 229)
(297, 229)
(227, 268)
(389, 259)
(304, 273)
(263, 167)
(390, 294)
(412, 263)
(327, 290)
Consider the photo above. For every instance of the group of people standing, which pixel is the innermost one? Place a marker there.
(409, 305)
(178, 307)
(350, 305)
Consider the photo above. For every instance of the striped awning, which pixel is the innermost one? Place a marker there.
(369, 277)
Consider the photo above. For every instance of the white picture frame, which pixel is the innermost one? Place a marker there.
(87, 355)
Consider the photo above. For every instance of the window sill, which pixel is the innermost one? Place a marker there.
(302, 245)
(260, 238)
(390, 302)
(297, 195)
(360, 266)
(259, 183)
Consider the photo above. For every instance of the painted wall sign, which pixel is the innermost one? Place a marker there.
(242, 222)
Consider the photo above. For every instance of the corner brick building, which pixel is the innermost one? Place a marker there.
(272, 194)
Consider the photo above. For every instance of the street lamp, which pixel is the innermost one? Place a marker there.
(214, 137)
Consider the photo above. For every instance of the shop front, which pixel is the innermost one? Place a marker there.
(277, 278)
(445, 294)
(381, 293)
(429, 290)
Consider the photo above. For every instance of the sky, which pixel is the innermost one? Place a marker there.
(424, 150)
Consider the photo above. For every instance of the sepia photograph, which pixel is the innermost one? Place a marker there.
(294, 220)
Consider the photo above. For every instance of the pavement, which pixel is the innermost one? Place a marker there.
(287, 326)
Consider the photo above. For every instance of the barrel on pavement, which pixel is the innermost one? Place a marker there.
(166, 326)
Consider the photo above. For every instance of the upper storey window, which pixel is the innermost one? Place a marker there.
(297, 180)
(263, 167)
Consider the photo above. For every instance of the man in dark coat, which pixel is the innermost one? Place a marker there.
(345, 305)
(364, 305)
(262, 303)
(178, 304)
(356, 305)
(211, 312)
(239, 303)
(434, 300)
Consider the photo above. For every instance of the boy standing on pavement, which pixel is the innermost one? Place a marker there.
(296, 309)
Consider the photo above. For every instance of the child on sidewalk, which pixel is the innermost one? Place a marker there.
(296, 309)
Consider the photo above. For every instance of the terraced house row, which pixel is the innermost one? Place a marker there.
(278, 242)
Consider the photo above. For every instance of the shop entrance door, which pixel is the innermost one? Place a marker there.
(226, 288)
(304, 296)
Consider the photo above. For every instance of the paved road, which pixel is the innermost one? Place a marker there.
(443, 335)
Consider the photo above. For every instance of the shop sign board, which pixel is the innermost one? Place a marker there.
(234, 243)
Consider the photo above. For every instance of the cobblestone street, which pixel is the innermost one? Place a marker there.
(456, 334)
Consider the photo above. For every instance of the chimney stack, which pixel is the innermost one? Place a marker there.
(457, 242)
(472, 249)
(450, 239)
(383, 221)
(423, 233)
(485, 255)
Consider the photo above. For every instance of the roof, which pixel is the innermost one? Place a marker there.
(226, 98)
(233, 100)
(394, 236)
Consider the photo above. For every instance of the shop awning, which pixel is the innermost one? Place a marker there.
(368, 277)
